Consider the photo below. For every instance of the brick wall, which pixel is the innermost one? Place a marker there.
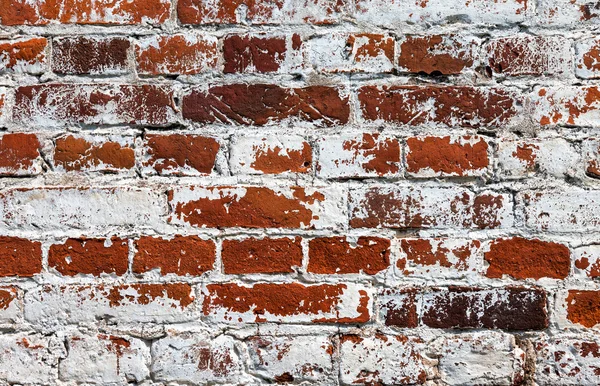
(324, 192)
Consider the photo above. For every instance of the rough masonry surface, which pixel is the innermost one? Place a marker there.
(305, 192)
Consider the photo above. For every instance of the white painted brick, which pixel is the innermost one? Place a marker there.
(382, 359)
(296, 358)
(88, 209)
(52, 306)
(104, 359)
(28, 359)
(196, 358)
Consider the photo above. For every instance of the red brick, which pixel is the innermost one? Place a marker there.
(261, 54)
(255, 207)
(337, 255)
(183, 54)
(450, 106)
(583, 307)
(61, 104)
(428, 207)
(259, 12)
(267, 255)
(42, 12)
(437, 54)
(181, 255)
(509, 308)
(527, 258)
(260, 104)
(90, 256)
(179, 154)
(87, 153)
(528, 55)
(96, 55)
(20, 257)
(19, 154)
(438, 257)
(446, 156)
(24, 55)
(286, 303)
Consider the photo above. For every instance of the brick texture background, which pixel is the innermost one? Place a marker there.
(323, 192)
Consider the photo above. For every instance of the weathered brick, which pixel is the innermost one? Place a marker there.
(425, 13)
(270, 155)
(23, 55)
(291, 358)
(52, 306)
(398, 306)
(262, 53)
(339, 255)
(195, 358)
(382, 360)
(104, 359)
(257, 207)
(11, 305)
(509, 308)
(339, 52)
(90, 55)
(20, 257)
(62, 104)
(446, 156)
(260, 104)
(28, 359)
(42, 12)
(479, 359)
(449, 105)
(586, 261)
(529, 55)
(180, 255)
(561, 210)
(266, 255)
(359, 156)
(439, 257)
(582, 307)
(259, 12)
(563, 13)
(90, 256)
(567, 360)
(93, 153)
(438, 54)
(181, 54)
(81, 208)
(587, 58)
(590, 149)
(20, 155)
(428, 207)
(555, 157)
(567, 105)
(527, 258)
(179, 154)
(286, 303)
